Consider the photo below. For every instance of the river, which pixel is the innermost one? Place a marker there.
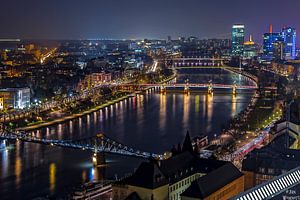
(151, 122)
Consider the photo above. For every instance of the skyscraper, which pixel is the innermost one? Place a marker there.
(280, 45)
(268, 46)
(238, 37)
(289, 39)
(250, 49)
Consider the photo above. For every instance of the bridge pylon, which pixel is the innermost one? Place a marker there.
(98, 158)
(210, 89)
(186, 89)
(163, 89)
(234, 89)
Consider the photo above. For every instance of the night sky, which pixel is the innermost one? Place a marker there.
(87, 19)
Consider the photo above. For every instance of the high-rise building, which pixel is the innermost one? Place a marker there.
(289, 38)
(280, 45)
(268, 45)
(278, 50)
(238, 37)
(250, 49)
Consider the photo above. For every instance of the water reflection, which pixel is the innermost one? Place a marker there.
(71, 127)
(96, 174)
(47, 132)
(95, 118)
(88, 120)
(92, 174)
(209, 103)
(233, 105)
(80, 126)
(52, 177)
(145, 123)
(5, 161)
(18, 164)
(60, 131)
(197, 104)
(84, 176)
(186, 108)
(162, 111)
(209, 110)
(174, 105)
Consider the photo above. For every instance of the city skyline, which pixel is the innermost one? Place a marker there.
(140, 100)
(134, 19)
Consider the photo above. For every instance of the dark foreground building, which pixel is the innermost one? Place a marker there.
(221, 183)
(182, 176)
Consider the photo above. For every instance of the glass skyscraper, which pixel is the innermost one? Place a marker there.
(289, 39)
(280, 45)
(268, 46)
(238, 37)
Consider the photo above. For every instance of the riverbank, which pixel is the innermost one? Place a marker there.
(262, 112)
(89, 111)
(243, 73)
(73, 116)
(238, 125)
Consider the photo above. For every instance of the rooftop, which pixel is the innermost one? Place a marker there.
(155, 174)
(206, 185)
(274, 156)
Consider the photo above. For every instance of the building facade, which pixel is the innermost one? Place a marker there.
(169, 179)
(280, 45)
(94, 79)
(238, 38)
(289, 39)
(268, 44)
(250, 49)
(15, 98)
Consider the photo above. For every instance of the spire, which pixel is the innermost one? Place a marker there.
(250, 42)
(271, 28)
(179, 148)
(187, 144)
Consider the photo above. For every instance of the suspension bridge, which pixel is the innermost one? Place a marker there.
(96, 144)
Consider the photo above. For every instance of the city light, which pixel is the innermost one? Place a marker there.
(163, 103)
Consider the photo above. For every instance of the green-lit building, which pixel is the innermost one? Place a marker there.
(238, 38)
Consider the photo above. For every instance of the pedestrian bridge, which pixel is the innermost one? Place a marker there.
(97, 144)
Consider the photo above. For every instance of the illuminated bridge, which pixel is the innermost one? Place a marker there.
(193, 85)
(186, 62)
(273, 188)
(96, 144)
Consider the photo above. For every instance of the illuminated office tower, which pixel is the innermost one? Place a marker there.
(238, 37)
(268, 45)
(289, 39)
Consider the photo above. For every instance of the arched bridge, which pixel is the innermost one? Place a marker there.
(195, 85)
(97, 144)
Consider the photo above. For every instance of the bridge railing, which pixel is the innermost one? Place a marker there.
(98, 144)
